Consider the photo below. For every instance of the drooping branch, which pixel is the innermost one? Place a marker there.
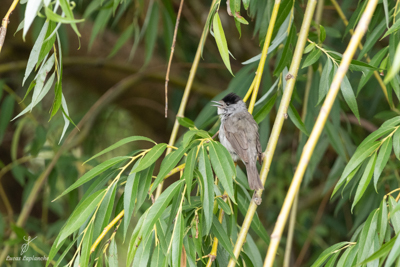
(280, 118)
(316, 132)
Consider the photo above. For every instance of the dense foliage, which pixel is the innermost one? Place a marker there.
(91, 76)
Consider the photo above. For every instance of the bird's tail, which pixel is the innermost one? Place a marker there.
(253, 177)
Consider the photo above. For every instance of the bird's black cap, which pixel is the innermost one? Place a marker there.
(231, 98)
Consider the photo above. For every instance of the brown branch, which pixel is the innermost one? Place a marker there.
(170, 57)
(4, 23)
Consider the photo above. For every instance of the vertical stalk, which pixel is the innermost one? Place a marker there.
(185, 97)
(280, 118)
(318, 127)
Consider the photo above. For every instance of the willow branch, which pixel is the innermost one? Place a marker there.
(4, 23)
(178, 17)
(376, 74)
(264, 54)
(280, 118)
(185, 97)
(318, 127)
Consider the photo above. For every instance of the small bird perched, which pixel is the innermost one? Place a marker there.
(238, 133)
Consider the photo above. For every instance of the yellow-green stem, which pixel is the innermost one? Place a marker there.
(280, 118)
(316, 132)
(4, 23)
(185, 98)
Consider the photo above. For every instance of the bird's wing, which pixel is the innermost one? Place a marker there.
(238, 132)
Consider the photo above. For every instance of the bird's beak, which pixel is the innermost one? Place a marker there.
(219, 104)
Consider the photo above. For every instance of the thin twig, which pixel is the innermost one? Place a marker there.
(178, 17)
(185, 97)
(280, 118)
(105, 231)
(316, 132)
(4, 23)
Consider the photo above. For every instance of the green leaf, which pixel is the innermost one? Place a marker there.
(396, 144)
(366, 236)
(151, 33)
(394, 253)
(395, 27)
(121, 143)
(169, 162)
(48, 43)
(7, 108)
(286, 52)
(344, 179)
(382, 221)
(349, 97)
(134, 241)
(143, 253)
(308, 48)
(372, 39)
(87, 242)
(376, 60)
(158, 257)
(246, 4)
(312, 58)
(322, 33)
(41, 78)
(151, 157)
(360, 66)
(222, 204)
(383, 157)
(189, 169)
(144, 185)
(93, 173)
(336, 140)
(394, 215)
(177, 240)
(57, 18)
(207, 181)
(113, 254)
(386, 8)
(124, 37)
(362, 152)
(32, 7)
(38, 142)
(100, 23)
(66, 8)
(223, 238)
(365, 179)
(344, 256)
(130, 193)
(185, 122)
(264, 111)
(222, 168)
(325, 81)
(80, 214)
(395, 66)
(382, 252)
(327, 253)
(219, 36)
(296, 119)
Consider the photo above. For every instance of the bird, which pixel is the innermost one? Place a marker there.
(238, 133)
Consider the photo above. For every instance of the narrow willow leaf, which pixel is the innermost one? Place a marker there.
(383, 157)
(363, 151)
(143, 252)
(349, 97)
(67, 119)
(394, 69)
(57, 18)
(372, 39)
(144, 185)
(223, 238)
(396, 144)
(344, 256)
(80, 214)
(7, 107)
(221, 41)
(167, 165)
(322, 34)
(66, 8)
(296, 119)
(345, 179)
(130, 193)
(394, 253)
(335, 140)
(386, 8)
(308, 48)
(47, 43)
(133, 242)
(41, 79)
(207, 181)
(327, 253)
(87, 242)
(395, 27)
(286, 52)
(394, 216)
(113, 254)
(177, 240)
(350, 261)
(264, 111)
(34, 55)
(375, 61)
(382, 252)
(185, 122)
(382, 221)
(222, 168)
(32, 7)
(93, 173)
(325, 80)
(222, 204)
(370, 224)
(312, 58)
(121, 143)
(365, 179)
(100, 23)
(124, 37)
(151, 33)
(158, 257)
(188, 172)
(151, 157)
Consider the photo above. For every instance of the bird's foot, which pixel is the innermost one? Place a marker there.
(257, 198)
